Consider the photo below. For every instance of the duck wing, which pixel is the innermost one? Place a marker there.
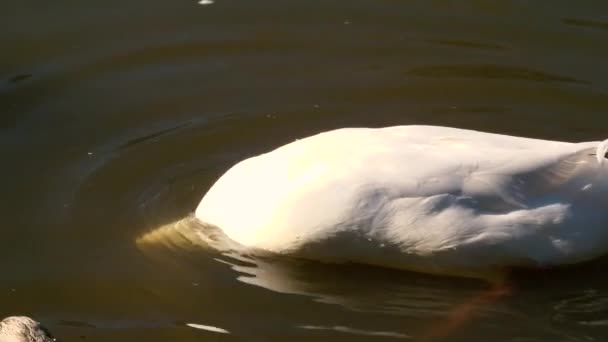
(518, 184)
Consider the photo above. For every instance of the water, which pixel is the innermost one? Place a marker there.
(116, 117)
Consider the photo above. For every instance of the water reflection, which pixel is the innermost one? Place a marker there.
(419, 303)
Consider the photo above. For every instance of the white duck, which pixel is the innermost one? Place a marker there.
(432, 199)
(23, 329)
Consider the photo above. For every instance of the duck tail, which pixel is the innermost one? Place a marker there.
(602, 152)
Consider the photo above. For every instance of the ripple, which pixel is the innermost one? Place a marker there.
(153, 135)
(353, 286)
(13, 81)
(594, 24)
(467, 44)
(589, 308)
(490, 71)
(355, 331)
(19, 78)
(420, 302)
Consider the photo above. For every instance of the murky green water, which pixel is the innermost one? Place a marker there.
(116, 117)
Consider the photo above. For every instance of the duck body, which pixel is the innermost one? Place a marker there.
(23, 329)
(425, 198)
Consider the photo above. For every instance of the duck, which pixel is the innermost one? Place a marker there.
(429, 199)
(23, 329)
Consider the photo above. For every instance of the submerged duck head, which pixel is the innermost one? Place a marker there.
(23, 329)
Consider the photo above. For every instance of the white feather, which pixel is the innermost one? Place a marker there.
(427, 198)
(602, 149)
(23, 329)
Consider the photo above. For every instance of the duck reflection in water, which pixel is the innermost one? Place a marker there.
(411, 305)
(428, 199)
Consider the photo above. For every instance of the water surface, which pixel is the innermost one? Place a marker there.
(116, 117)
